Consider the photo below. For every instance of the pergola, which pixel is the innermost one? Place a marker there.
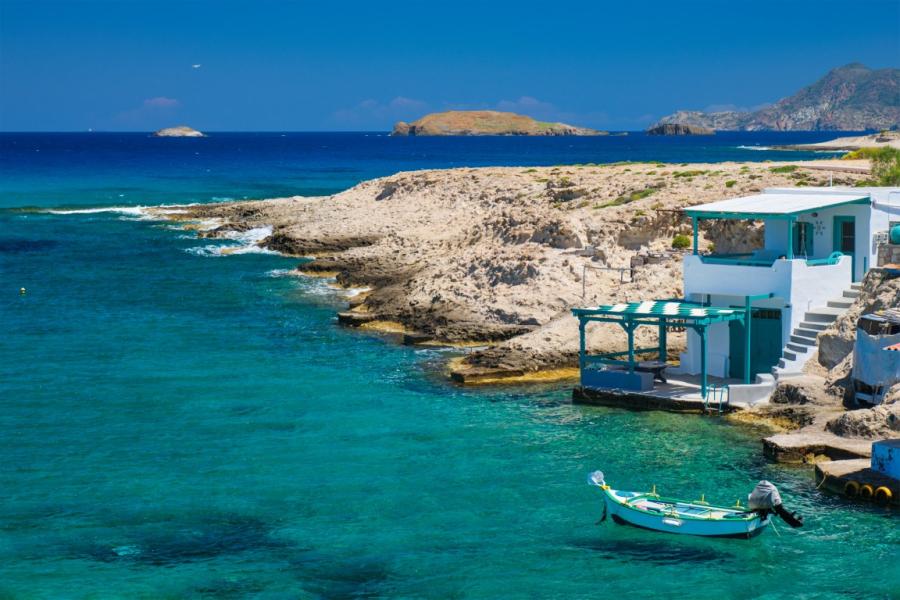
(663, 314)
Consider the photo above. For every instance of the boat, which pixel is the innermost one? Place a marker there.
(648, 510)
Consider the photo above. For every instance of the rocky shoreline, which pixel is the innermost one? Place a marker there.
(493, 259)
(495, 256)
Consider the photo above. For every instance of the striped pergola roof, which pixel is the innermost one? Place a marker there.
(673, 309)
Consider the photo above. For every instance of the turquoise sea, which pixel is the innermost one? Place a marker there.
(181, 424)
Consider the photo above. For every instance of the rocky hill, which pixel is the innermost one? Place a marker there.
(849, 98)
(485, 122)
(679, 129)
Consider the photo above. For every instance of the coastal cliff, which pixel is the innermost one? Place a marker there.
(485, 122)
(496, 256)
(179, 131)
(849, 98)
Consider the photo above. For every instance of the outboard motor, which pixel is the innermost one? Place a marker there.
(765, 499)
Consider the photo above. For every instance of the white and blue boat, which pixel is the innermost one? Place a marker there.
(648, 510)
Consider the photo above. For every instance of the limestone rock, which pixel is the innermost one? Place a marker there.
(180, 131)
(882, 421)
(837, 341)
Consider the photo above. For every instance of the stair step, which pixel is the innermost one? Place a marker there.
(813, 326)
(843, 303)
(798, 348)
(851, 294)
(807, 333)
(789, 355)
(855, 286)
(789, 374)
(824, 314)
(802, 340)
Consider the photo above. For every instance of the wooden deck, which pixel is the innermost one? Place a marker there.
(681, 393)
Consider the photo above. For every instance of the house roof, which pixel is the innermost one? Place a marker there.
(670, 309)
(775, 205)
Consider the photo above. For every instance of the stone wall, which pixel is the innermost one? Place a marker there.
(888, 254)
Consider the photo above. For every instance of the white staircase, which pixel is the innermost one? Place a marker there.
(804, 339)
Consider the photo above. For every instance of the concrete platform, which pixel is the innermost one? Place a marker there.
(840, 476)
(681, 393)
(814, 447)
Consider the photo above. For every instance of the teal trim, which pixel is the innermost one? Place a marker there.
(707, 214)
(833, 259)
(748, 328)
(840, 240)
(744, 262)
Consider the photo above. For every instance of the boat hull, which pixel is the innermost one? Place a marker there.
(673, 522)
(739, 535)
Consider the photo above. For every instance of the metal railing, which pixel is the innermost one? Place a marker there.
(621, 270)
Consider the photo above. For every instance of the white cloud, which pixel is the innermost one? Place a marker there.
(373, 112)
(528, 105)
(152, 112)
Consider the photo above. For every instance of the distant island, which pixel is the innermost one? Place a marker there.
(179, 131)
(849, 98)
(680, 129)
(485, 122)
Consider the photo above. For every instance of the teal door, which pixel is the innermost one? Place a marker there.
(765, 343)
(845, 240)
(803, 239)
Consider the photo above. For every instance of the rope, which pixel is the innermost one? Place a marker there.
(772, 523)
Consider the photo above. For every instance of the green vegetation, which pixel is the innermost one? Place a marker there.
(730, 183)
(694, 173)
(885, 167)
(681, 242)
(784, 169)
(862, 154)
(530, 171)
(627, 198)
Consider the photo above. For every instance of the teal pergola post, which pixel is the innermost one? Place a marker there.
(748, 321)
(630, 327)
(582, 345)
(695, 225)
(702, 333)
(662, 340)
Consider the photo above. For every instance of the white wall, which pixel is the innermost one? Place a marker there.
(797, 287)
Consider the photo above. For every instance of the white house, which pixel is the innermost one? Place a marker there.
(818, 242)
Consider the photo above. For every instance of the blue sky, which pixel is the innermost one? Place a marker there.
(303, 66)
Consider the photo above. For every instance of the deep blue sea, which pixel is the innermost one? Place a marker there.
(178, 423)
